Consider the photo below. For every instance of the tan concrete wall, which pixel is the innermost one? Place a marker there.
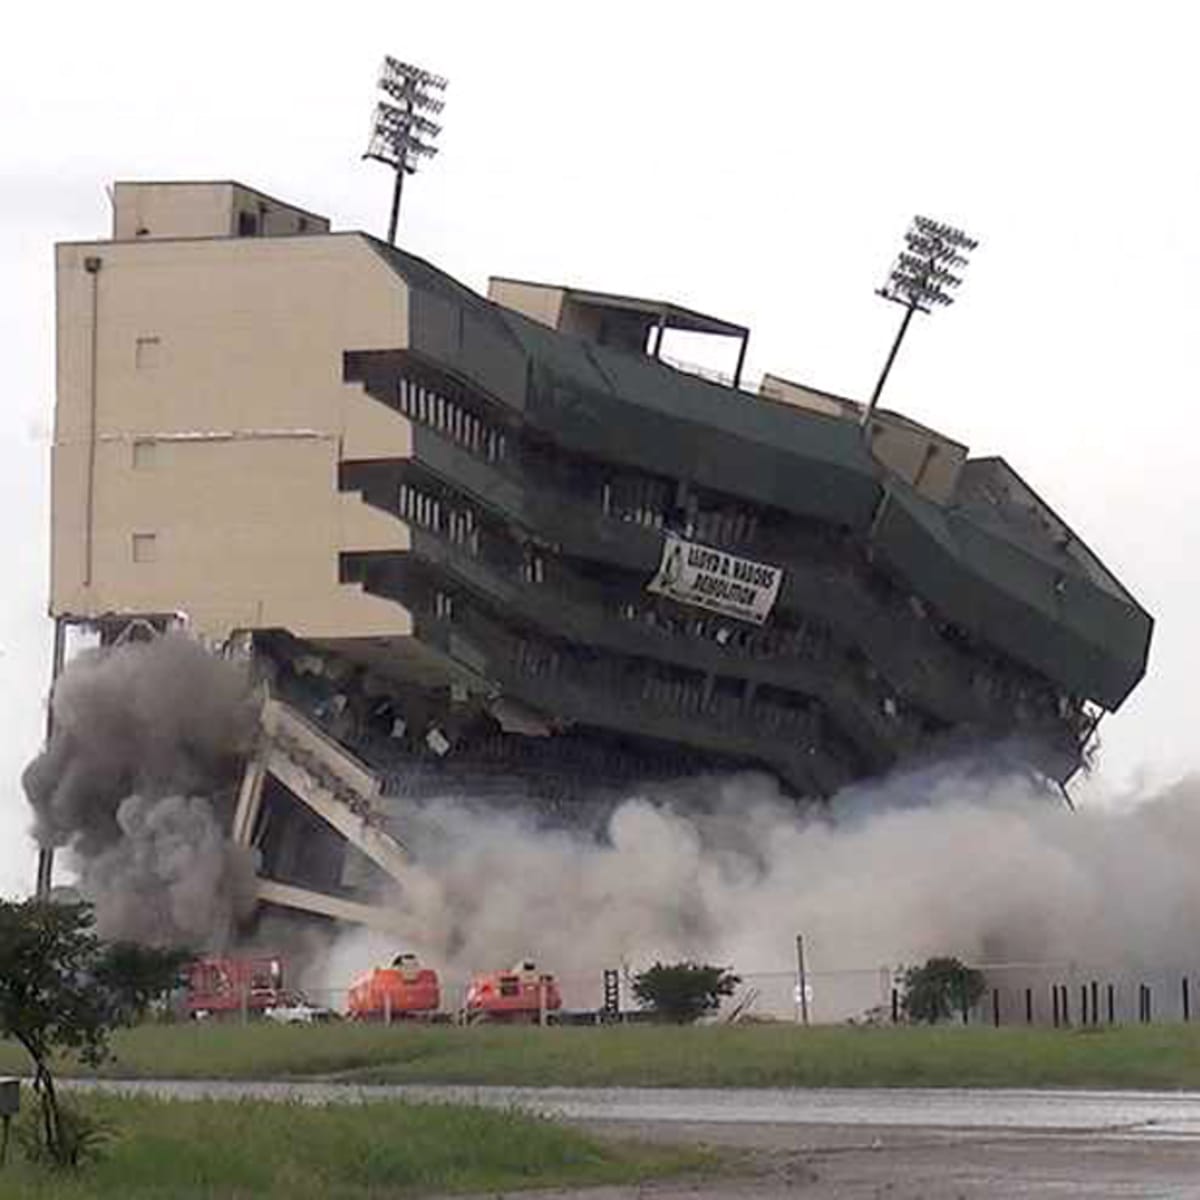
(172, 210)
(534, 300)
(183, 210)
(275, 219)
(941, 475)
(220, 420)
(928, 461)
(785, 391)
(581, 320)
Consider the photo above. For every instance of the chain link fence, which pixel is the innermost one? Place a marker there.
(1065, 995)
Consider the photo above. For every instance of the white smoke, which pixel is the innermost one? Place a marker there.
(989, 869)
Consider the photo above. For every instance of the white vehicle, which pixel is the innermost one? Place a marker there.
(298, 1011)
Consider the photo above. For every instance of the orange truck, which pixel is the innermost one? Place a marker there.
(403, 991)
(521, 994)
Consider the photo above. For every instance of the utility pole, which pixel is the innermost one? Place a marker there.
(45, 862)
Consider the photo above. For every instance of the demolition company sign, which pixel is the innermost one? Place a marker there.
(710, 578)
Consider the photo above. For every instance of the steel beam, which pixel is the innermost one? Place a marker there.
(322, 904)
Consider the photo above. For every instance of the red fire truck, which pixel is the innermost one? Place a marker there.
(222, 987)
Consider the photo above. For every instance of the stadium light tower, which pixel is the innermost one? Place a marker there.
(921, 279)
(402, 133)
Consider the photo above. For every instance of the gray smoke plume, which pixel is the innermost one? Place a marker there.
(948, 861)
(137, 783)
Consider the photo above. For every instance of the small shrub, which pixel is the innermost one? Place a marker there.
(683, 992)
(939, 988)
(82, 1138)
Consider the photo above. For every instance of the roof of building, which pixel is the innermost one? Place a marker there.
(221, 183)
(674, 316)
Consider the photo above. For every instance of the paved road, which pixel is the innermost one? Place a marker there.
(1142, 1115)
(850, 1144)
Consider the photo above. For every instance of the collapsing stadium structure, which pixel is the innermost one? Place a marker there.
(474, 540)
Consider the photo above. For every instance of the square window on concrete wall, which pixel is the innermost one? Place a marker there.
(147, 352)
(145, 452)
(145, 547)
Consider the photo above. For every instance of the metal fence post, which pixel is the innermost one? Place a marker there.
(10, 1106)
(801, 979)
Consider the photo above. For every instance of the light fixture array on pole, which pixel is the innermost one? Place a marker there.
(402, 133)
(923, 277)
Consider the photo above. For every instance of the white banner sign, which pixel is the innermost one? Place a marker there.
(710, 578)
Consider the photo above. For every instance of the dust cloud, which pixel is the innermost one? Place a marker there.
(952, 860)
(137, 787)
(138, 783)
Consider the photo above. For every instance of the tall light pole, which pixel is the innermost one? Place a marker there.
(921, 279)
(401, 134)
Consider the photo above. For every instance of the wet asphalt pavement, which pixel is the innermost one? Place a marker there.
(817, 1144)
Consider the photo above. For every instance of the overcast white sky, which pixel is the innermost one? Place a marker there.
(758, 161)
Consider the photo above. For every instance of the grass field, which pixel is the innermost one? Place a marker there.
(1155, 1056)
(215, 1150)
